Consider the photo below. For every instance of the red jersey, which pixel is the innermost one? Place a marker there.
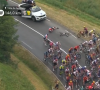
(85, 28)
(76, 47)
(70, 83)
(73, 66)
(51, 43)
(90, 87)
(85, 78)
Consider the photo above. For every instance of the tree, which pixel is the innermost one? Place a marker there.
(8, 37)
(3, 3)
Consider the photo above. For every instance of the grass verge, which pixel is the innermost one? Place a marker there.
(35, 65)
(13, 79)
(30, 75)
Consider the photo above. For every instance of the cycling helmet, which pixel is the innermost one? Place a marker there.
(93, 81)
(85, 67)
(76, 61)
(98, 59)
(86, 41)
(79, 67)
(70, 81)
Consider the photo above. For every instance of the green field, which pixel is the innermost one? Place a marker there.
(88, 6)
(13, 79)
(85, 9)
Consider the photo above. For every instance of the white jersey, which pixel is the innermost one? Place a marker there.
(66, 70)
(91, 42)
(88, 72)
(50, 50)
(69, 88)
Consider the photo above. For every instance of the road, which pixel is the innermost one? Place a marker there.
(30, 36)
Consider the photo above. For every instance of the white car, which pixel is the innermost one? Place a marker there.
(33, 12)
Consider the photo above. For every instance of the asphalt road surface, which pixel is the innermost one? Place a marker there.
(30, 36)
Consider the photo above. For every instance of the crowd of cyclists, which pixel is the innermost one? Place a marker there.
(86, 77)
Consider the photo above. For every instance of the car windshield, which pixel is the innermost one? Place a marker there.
(35, 9)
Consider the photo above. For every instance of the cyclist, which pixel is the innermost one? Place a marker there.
(91, 32)
(45, 39)
(93, 84)
(67, 79)
(71, 84)
(94, 64)
(55, 63)
(57, 85)
(88, 73)
(85, 79)
(58, 45)
(67, 58)
(61, 68)
(45, 55)
(83, 69)
(51, 44)
(51, 29)
(63, 62)
(98, 72)
(67, 71)
(70, 50)
(76, 48)
(90, 43)
(50, 52)
(85, 30)
(76, 62)
(73, 68)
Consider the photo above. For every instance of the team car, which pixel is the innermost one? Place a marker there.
(30, 11)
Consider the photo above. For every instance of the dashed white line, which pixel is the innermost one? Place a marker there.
(26, 44)
(48, 19)
(71, 34)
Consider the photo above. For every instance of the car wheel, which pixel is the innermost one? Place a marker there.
(33, 18)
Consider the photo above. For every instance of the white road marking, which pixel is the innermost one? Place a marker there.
(26, 44)
(50, 63)
(48, 19)
(71, 34)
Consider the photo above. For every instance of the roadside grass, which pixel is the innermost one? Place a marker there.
(73, 22)
(37, 66)
(30, 75)
(13, 79)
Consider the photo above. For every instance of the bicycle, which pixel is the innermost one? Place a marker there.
(80, 33)
(66, 33)
(87, 62)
